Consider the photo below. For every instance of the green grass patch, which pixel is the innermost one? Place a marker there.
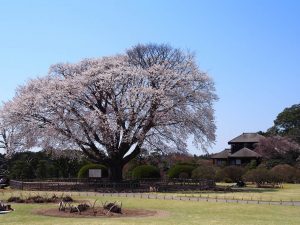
(180, 212)
(289, 192)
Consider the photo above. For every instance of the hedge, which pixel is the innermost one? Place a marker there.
(175, 171)
(145, 171)
(84, 171)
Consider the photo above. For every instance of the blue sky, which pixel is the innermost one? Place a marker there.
(250, 48)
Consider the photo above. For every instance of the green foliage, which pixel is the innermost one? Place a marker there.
(252, 165)
(66, 167)
(43, 165)
(181, 168)
(204, 172)
(145, 171)
(41, 171)
(21, 170)
(287, 123)
(84, 171)
(3, 166)
(129, 167)
(220, 175)
(270, 163)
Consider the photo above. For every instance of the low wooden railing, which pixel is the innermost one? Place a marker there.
(105, 185)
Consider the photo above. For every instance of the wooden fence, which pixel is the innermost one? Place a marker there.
(102, 185)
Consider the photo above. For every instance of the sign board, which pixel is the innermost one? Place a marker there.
(95, 173)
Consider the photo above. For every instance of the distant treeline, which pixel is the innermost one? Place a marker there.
(32, 165)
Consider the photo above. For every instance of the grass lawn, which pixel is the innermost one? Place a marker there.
(180, 212)
(289, 192)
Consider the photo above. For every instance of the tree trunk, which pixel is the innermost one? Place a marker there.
(115, 171)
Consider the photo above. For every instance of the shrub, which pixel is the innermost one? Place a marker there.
(204, 172)
(145, 171)
(180, 168)
(234, 173)
(84, 171)
(128, 168)
(21, 170)
(297, 176)
(39, 199)
(220, 175)
(204, 162)
(227, 180)
(41, 171)
(183, 175)
(252, 165)
(259, 176)
(284, 173)
(15, 199)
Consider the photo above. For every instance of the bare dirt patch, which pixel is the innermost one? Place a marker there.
(90, 213)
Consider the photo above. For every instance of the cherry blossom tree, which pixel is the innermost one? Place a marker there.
(12, 138)
(277, 147)
(154, 97)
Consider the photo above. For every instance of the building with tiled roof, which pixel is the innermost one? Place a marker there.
(241, 150)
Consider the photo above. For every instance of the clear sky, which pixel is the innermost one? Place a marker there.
(250, 48)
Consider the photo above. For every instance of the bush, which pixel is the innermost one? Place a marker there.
(84, 171)
(220, 175)
(252, 165)
(145, 171)
(180, 168)
(41, 171)
(229, 174)
(21, 170)
(15, 199)
(259, 176)
(227, 180)
(39, 199)
(297, 176)
(234, 173)
(183, 175)
(204, 172)
(284, 173)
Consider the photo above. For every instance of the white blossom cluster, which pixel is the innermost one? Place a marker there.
(112, 107)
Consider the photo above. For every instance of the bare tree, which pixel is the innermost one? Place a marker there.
(153, 97)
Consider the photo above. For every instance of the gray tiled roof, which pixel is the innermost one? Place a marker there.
(245, 153)
(242, 153)
(222, 155)
(246, 137)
